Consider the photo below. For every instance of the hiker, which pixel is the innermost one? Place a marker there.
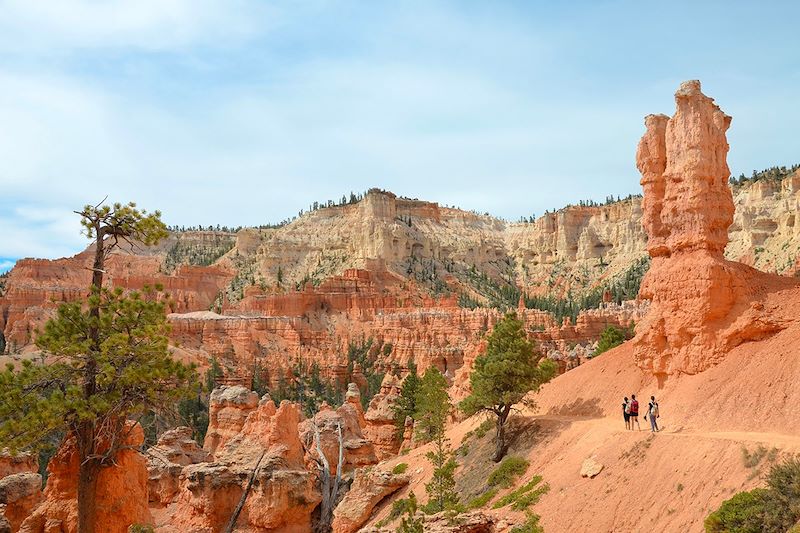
(652, 412)
(626, 412)
(635, 412)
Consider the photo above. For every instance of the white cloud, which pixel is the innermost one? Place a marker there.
(56, 25)
(33, 231)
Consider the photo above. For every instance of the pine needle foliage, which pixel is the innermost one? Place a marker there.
(504, 374)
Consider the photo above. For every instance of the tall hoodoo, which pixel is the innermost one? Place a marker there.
(701, 303)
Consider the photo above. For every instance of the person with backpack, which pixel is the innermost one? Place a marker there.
(635, 412)
(626, 412)
(652, 412)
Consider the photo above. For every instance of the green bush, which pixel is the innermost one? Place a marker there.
(512, 497)
(400, 468)
(531, 525)
(399, 507)
(774, 509)
(484, 428)
(140, 528)
(509, 469)
(481, 501)
(744, 513)
(611, 337)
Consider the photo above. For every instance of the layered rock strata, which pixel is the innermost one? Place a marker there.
(702, 304)
(19, 495)
(369, 488)
(120, 498)
(265, 463)
(381, 428)
(175, 449)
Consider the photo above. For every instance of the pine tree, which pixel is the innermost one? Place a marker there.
(432, 408)
(407, 403)
(109, 361)
(509, 369)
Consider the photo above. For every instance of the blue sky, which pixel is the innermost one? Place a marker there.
(242, 112)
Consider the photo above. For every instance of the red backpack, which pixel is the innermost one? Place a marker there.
(634, 407)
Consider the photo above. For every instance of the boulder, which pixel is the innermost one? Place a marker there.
(227, 411)
(591, 467)
(369, 488)
(175, 449)
(20, 494)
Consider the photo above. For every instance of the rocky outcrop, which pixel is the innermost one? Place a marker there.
(264, 462)
(357, 450)
(766, 225)
(20, 494)
(702, 304)
(35, 287)
(228, 410)
(369, 488)
(381, 429)
(16, 463)
(120, 499)
(175, 449)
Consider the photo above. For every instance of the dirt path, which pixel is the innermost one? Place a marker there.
(610, 425)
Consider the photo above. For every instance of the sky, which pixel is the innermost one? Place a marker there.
(241, 112)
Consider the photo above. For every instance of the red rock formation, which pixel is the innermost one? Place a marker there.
(701, 303)
(121, 497)
(228, 410)
(369, 488)
(14, 464)
(381, 429)
(35, 287)
(175, 449)
(20, 494)
(268, 448)
(358, 451)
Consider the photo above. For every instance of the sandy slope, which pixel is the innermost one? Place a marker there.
(669, 481)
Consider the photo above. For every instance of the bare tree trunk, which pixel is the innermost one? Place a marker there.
(329, 493)
(243, 499)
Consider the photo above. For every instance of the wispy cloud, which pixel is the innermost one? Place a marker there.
(6, 265)
(243, 112)
(145, 24)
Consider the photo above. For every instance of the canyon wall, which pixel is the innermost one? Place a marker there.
(393, 270)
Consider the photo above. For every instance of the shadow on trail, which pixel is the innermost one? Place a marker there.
(580, 407)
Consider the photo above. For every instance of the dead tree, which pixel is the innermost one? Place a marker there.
(329, 484)
(243, 499)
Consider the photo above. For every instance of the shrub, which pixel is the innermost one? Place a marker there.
(481, 501)
(140, 528)
(509, 469)
(744, 513)
(774, 509)
(782, 509)
(484, 428)
(399, 507)
(400, 468)
(523, 501)
(531, 525)
(611, 337)
(512, 497)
